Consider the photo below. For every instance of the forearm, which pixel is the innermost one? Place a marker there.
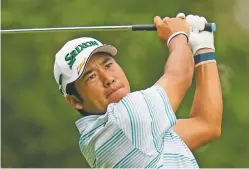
(179, 67)
(207, 105)
(204, 124)
(180, 62)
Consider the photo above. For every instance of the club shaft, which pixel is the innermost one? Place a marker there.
(208, 27)
(79, 28)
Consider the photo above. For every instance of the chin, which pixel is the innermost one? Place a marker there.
(117, 96)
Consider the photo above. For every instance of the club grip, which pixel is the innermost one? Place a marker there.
(210, 27)
(143, 28)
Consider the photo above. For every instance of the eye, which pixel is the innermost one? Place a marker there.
(108, 65)
(91, 77)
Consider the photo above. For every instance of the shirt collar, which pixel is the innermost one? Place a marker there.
(83, 122)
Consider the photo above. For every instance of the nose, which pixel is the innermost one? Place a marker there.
(108, 80)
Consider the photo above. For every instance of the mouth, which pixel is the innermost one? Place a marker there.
(113, 91)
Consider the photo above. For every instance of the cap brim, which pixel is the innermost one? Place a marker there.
(106, 49)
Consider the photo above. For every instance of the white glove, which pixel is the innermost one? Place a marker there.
(199, 39)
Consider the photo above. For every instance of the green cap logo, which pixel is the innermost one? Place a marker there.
(71, 57)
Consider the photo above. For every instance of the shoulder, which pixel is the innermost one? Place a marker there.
(144, 97)
(139, 95)
(143, 102)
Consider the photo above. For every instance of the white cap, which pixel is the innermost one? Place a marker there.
(71, 59)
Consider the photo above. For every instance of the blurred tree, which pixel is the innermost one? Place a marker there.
(38, 128)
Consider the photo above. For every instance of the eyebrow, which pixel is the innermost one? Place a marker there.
(91, 70)
(105, 60)
(87, 73)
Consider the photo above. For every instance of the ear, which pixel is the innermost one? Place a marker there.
(74, 101)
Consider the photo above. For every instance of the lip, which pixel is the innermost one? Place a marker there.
(113, 91)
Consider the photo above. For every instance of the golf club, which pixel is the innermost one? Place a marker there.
(211, 27)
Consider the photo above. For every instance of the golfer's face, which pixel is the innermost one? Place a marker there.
(102, 83)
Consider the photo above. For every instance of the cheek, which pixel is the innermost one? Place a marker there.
(93, 92)
(123, 78)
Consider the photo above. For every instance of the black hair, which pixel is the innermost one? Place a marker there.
(71, 90)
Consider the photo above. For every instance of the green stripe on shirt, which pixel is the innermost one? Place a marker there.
(167, 106)
(83, 137)
(132, 121)
(108, 142)
(152, 123)
(154, 161)
(126, 158)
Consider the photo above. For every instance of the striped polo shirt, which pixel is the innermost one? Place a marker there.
(135, 133)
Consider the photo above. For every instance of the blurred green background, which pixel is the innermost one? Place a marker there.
(38, 127)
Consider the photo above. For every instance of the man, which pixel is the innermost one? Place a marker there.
(122, 129)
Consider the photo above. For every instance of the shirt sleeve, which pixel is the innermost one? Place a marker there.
(145, 116)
